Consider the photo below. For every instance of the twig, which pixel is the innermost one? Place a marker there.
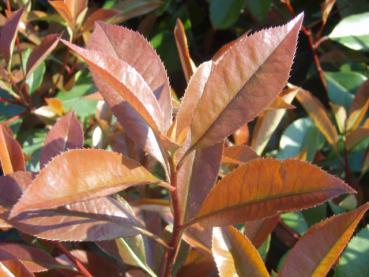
(82, 269)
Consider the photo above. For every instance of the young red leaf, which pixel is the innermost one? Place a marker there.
(66, 134)
(359, 107)
(8, 35)
(11, 155)
(10, 266)
(196, 177)
(34, 259)
(356, 136)
(98, 15)
(235, 255)
(265, 187)
(132, 48)
(191, 97)
(188, 65)
(243, 82)
(78, 175)
(318, 114)
(40, 52)
(317, 251)
(127, 83)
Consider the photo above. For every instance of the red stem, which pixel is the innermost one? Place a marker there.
(82, 269)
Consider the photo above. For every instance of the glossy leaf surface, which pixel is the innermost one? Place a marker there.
(79, 175)
(235, 255)
(317, 251)
(243, 82)
(264, 187)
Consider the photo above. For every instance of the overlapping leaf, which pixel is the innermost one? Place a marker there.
(238, 154)
(359, 107)
(78, 175)
(317, 251)
(235, 255)
(262, 188)
(318, 114)
(66, 134)
(258, 230)
(243, 82)
(11, 156)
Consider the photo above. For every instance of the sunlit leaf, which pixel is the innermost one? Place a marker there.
(243, 82)
(66, 134)
(238, 154)
(359, 107)
(356, 136)
(235, 255)
(188, 65)
(11, 156)
(340, 115)
(353, 261)
(265, 187)
(78, 175)
(317, 251)
(351, 32)
(10, 266)
(318, 114)
(268, 123)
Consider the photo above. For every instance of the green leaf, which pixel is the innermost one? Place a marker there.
(223, 14)
(296, 221)
(34, 80)
(353, 32)
(32, 147)
(300, 135)
(259, 9)
(342, 86)
(354, 260)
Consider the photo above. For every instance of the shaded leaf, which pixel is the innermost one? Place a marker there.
(268, 123)
(317, 251)
(235, 255)
(40, 52)
(35, 259)
(327, 7)
(359, 107)
(257, 231)
(259, 9)
(238, 154)
(11, 156)
(196, 177)
(66, 134)
(9, 34)
(225, 14)
(277, 186)
(188, 65)
(98, 15)
(243, 82)
(356, 136)
(319, 115)
(78, 175)
(354, 259)
(351, 32)
(11, 267)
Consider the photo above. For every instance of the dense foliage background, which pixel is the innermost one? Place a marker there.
(331, 62)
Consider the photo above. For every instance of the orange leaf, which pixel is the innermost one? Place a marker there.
(243, 82)
(11, 156)
(241, 136)
(317, 251)
(79, 175)
(235, 255)
(268, 123)
(359, 107)
(265, 187)
(355, 137)
(188, 66)
(66, 134)
(318, 114)
(62, 9)
(238, 154)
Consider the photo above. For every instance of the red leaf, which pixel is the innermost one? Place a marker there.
(11, 155)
